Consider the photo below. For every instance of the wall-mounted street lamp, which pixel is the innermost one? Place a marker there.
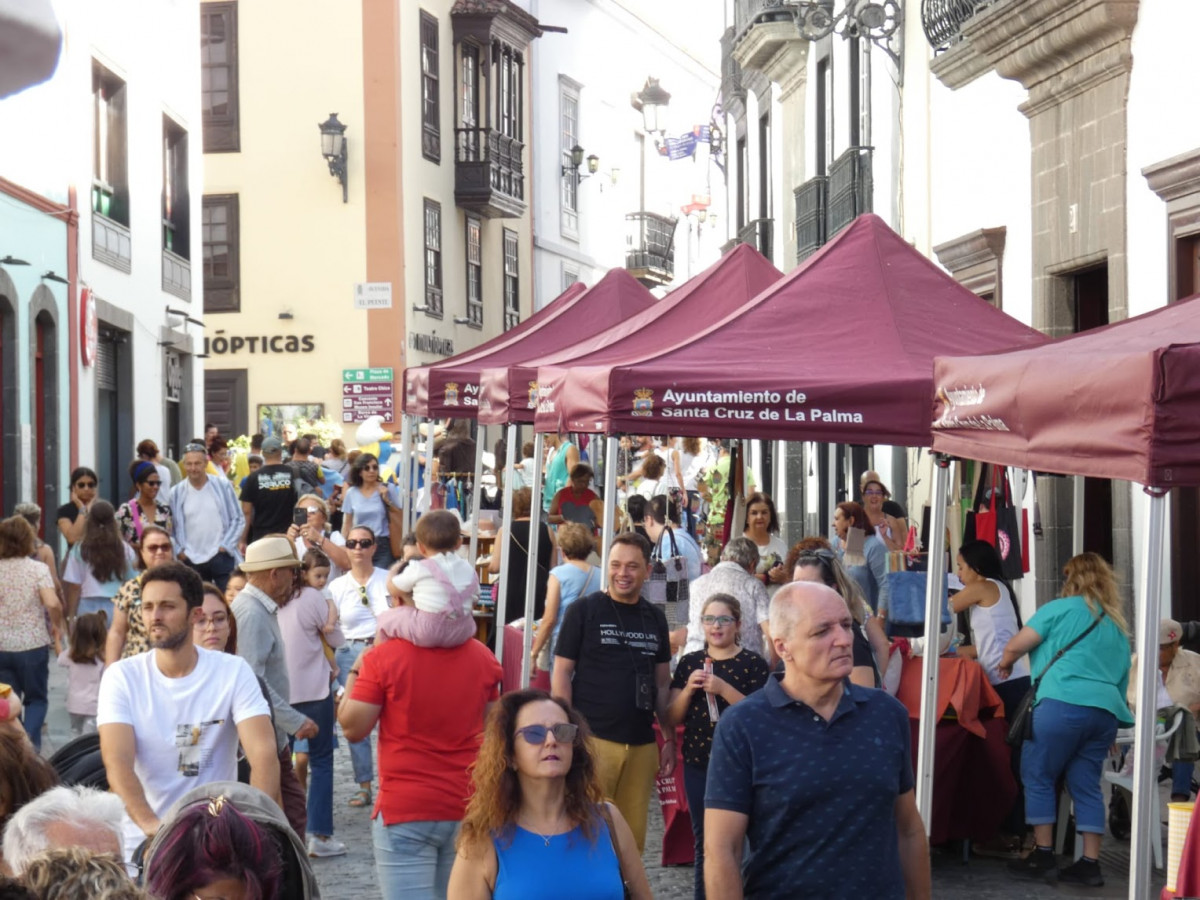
(333, 148)
(593, 164)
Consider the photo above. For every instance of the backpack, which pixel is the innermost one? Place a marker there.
(301, 482)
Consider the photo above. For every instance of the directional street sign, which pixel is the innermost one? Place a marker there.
(367, 392)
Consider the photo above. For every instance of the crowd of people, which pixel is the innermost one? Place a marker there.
(216, 641)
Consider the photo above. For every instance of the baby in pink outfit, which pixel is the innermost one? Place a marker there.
(438, 592)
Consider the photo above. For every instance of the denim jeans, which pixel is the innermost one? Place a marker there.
(1073, 741)
(382, 556)
(320, 765)
(360, 751)
(694, 780)
(217, 570)
(96, 604)
(28, 673)
(1181, 777)
(414, 858)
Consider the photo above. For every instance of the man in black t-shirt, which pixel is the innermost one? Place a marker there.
(612, 663)
(268, 495)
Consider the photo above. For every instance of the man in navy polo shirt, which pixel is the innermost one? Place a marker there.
(816, 772)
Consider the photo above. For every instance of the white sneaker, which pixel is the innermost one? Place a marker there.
(325, 846)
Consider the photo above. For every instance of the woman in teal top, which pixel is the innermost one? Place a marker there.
(1080, 703)
(537, 824)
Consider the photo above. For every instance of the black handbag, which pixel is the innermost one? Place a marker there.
(1020, 729)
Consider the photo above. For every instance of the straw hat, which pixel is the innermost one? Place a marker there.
(270, 553)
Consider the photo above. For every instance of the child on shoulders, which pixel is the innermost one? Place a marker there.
(437, 592)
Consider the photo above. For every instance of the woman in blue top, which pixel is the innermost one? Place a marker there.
(567, 583)
(537, 823)
(1080, 703)
(366, 503)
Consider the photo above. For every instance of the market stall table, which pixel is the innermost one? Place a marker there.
(974, 788)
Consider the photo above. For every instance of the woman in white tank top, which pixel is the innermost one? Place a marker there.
(993, 613)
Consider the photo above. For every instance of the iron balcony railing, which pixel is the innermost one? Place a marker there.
(650, 247)
(731, 73)
(943, 19)
(850, 189)
(811, 200)
(757, 233)
(748, 13)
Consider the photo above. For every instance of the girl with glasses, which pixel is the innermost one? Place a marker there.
(126, 633)
(537, 817)
(705, 684)
(144, 508)
(367, 503)
(98, 565)
(72, 515)
(360, 595)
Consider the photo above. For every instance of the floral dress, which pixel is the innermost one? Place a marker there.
(129, 601)
(126, 519)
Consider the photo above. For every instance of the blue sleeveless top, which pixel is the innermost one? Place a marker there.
(526, 866)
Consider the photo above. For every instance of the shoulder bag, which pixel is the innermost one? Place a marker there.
(1020, 729)
(612, 837)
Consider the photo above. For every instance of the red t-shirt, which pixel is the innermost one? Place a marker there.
(430, 724)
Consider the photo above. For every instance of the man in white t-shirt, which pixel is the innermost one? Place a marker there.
(208, 519)
(171, 719)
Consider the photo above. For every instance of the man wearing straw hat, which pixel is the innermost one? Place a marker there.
(270, 568)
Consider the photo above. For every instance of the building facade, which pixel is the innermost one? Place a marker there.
(326, 277)
(625, 201)
(98, 348)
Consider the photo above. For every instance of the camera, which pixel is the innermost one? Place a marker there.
(643, 692)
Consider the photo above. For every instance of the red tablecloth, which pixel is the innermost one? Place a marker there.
(513, 645)
(973, 786)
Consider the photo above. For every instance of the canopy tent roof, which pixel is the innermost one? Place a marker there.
(416, 378)
(840, 350)
(1122, 401)
(453, 386)
(510, 394)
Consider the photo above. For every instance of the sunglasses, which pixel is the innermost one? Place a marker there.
(363, 598)
(154, 483)
(717, 620)
(371, 468)
(156, 548)
(355, 543)
(85, 484)
(564, 733)
(822, 555)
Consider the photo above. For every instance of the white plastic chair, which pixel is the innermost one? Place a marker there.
(1125, 736)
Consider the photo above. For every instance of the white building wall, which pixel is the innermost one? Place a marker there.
(672, 41)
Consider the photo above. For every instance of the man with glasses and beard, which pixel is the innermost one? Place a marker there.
(271, 567)
(171, 719)
(208, 519)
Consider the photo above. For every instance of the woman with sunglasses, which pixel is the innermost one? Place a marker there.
(144, 508)
(871, 646)
(537, 818)
(72, 515)
(126, 633)
(367, 503)
(360, 596)
(315, 533)
(97, 566)
(724, 672)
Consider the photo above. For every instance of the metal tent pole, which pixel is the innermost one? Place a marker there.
(535, 539)
(610, 507)
(935, 592)
(831, 479)
(1145, 763)
(502, 595)
(404, 470)
(1077, 513)
(477, 492)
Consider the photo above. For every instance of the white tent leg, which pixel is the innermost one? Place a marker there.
(1077, 513)
(404, 470)
(476, 494)
(831, 479)
(935, 591)
(502, 594)
(610, 507)
(535, 539)
(1145, 765)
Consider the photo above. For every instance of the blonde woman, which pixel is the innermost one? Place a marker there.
(1080, 703)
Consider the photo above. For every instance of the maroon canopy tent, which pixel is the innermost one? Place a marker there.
(840, 350)
(510, 393)
(1121, 401)
(416, 378)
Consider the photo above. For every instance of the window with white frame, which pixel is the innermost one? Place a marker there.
(568, 106)
(474, 271)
